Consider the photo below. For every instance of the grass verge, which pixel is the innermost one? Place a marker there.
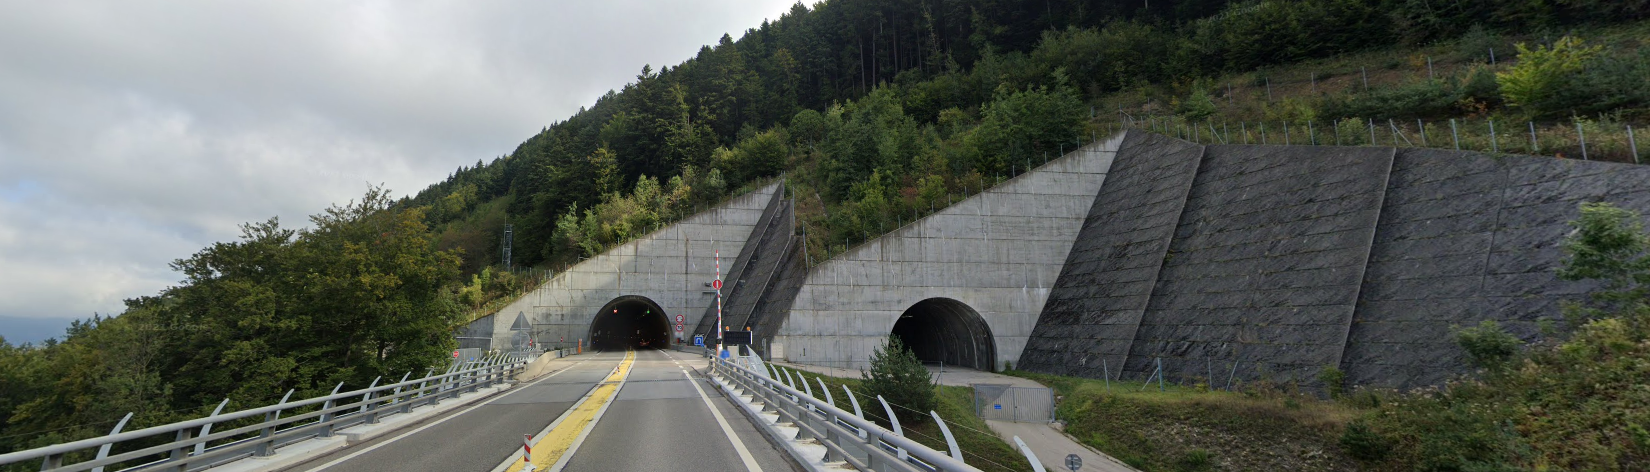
(1194, 429)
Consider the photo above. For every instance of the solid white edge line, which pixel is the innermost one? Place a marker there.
(436, 422)
(594, 420)
(738, 445)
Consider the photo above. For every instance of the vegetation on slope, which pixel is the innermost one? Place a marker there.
(1260, 426)
(1577, 404)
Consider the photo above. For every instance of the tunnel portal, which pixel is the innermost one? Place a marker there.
(946, 330)
(630, 322)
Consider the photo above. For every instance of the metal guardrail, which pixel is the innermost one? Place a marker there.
(847, 437)
(191, 449)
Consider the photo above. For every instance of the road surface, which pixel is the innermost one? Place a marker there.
(610, 412)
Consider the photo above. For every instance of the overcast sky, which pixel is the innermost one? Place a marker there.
(135, 133)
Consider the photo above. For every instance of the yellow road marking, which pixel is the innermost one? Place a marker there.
(549, 449)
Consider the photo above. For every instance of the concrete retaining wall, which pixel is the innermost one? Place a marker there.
(1286, 260)
(998, 252)
(670, 266)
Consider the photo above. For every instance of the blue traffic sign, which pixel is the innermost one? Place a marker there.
(699, 340)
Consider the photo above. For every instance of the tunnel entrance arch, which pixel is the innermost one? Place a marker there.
(630, 322)
(949, 331)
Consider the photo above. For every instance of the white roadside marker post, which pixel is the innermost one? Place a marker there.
(527, 453)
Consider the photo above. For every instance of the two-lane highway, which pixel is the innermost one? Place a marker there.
(651, 410)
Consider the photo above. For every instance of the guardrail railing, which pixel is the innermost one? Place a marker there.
(847, 437)
(191, 447)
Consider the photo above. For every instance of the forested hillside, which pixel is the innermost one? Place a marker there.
(917, 100)
(878, 110)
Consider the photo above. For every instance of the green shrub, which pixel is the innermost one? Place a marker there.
(1423, 99)
(899, 377)
(1195, 460)
(1333, 380)
(1487, 345)
(1197, 107)
(1365, 444)
(1541, 72)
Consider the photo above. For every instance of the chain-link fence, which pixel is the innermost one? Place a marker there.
(1004, 402)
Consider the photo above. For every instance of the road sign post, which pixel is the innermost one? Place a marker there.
(717, 285)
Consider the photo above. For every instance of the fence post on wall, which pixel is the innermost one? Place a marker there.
(1421, 128)
(1160, 374)
(1455, 134)
(1494, 146)
(1231, 375)
(1581, 133)
(1106, 373)
(1311, 133)
(1633, 144)
(1535, 146)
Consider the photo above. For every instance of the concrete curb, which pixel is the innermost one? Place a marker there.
(305, 451)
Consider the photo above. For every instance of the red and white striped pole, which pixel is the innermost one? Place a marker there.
(527, 451)
(719, 327)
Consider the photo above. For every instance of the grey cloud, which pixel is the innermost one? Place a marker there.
(134, 133)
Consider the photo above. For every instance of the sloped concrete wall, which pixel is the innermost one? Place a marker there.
(1095, 308)
(1266, 262)
(1286, 260)
(670, 267)
(1466, 237)
(997, 252)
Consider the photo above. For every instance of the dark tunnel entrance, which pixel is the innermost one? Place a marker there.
(630, 322)
(946, 330)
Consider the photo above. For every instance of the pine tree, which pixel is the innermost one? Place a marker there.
(899, 377)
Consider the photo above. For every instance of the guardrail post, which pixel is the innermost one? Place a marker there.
(406, 404)
(266, 441)
(206, 429)
(180, 455)
(103, 451)
(950, 441)
(1030, 456)
(327, 415)
(369, 407)
(895, 421)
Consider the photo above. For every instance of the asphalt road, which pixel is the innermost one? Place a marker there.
(656, 422)
(660, 422)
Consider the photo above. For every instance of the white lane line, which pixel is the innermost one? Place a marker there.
(398, 437)
(739, 446)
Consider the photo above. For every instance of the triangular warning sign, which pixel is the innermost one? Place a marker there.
(521, 323)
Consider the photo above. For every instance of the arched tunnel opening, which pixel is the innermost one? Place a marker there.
(946, 330)
(630, 322)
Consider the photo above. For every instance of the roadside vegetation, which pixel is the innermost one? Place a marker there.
(1257, 426)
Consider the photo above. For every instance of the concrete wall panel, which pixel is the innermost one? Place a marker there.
(668, 266)
(997, 252)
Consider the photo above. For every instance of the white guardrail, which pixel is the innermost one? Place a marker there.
(847, 436)
(192, 447)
